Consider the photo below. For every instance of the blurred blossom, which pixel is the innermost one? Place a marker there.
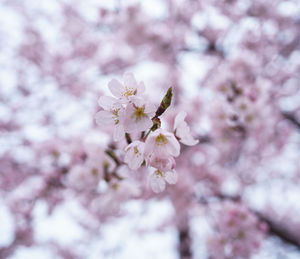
(107, 107)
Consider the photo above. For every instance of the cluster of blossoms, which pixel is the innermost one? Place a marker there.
(132, 114)
(239, 232)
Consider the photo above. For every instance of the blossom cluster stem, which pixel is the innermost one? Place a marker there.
(112, 154)
(128, 138)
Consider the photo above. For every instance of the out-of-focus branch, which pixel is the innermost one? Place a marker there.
(278, 230)
(274, 227)
(291, 118)
(185, 243)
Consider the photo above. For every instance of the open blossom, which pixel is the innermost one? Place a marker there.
(162, 142)
(162, 163)
(182, 130)
(111, 115)
(158, 179)
(134, 156)
(138, 115)
(129, 88)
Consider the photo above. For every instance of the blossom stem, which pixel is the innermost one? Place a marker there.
(128, 138)
(112, 154)
(155, 126)
(144, 138)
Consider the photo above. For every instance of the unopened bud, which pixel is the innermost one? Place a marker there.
(165, 103)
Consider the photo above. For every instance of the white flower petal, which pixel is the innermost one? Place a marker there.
(173, 146)
(149, 145)
(141, 88)
(129, 80)
(157, 183)
(189, 141)
(143, 124)
(182, 130)
(136, 119)
(179, 119)
(107, 102)
(119, 132)
(134, 155)
(116, 88)
(138, 101)
(136, 162)
(162, 163)
(150, 109)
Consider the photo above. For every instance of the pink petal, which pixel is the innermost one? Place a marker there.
(143, 124)
(157, 183)
(129, 80)
(173, 146)
(133, 159)
(149, 145)
(179, 119)
(141, 88)
(189, 140)
(116, 88)
(119, 132)
(107, 102)
(150, 109)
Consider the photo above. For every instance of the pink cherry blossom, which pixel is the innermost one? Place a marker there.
(138, 114)
(129, 88)
(114, 117)
(134, 156)
(158, 179)
(162, 163)
(182, 130)
(162, 142)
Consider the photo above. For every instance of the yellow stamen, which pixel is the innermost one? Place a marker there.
(161, 140)
(136, 151)
(249, 118)
(94, 171)
(128, 91)
(139, 113)
(159, 173)
(243, 106)
(115, 186)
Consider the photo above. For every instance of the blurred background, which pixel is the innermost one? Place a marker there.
(234, 66)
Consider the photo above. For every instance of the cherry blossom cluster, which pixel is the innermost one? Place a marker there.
(131, 114)
(239, 232)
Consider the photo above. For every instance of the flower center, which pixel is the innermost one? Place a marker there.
(240, 234)
(115, 186)
(94, 171)
(161, 140)
(249, 118)
(136, 151)
(159, 173)
(139, 113)
(129, 91)
(243, 106)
